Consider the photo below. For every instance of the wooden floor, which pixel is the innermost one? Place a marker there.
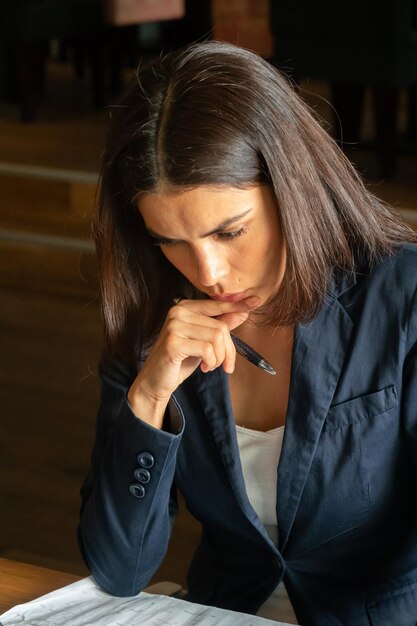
(50, 328)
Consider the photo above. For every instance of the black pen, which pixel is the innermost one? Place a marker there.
(251, 355)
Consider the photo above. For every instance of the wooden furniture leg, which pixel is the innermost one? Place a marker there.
(29, 62)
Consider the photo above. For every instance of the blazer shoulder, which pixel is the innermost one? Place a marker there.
(406, 253)
(116, 378)
(389, 285)
(400, 268)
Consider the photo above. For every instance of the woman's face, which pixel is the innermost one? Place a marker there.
(226, 241)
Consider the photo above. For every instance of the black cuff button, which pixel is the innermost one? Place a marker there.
(138, 491)
(142, 475)
(145, 459)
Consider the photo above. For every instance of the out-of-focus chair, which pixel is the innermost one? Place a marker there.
(26, 27)
(352, 45)
(96, 45)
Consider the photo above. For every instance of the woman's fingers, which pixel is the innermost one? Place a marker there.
(216, 308)
(211, 321)
(233, 320)
(222, 314)
(212, 342)
(195, 332)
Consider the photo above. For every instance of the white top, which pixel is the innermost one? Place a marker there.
(259, 456)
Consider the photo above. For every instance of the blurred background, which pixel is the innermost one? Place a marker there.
(62, 64)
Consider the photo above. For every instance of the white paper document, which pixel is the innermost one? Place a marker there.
(84, 604)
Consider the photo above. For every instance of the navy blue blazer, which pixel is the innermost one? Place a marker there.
(347, 482)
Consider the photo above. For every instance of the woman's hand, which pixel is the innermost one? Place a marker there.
(195, 332)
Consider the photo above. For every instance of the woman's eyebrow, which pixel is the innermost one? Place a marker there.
(220, 227)
(158, 237)
(227, 223)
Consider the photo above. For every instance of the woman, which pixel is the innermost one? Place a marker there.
(226, 207)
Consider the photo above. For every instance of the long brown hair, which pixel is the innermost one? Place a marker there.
(216, 114)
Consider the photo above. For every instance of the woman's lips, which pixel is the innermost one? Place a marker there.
(230, 297)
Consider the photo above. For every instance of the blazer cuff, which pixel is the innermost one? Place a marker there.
(173, 423)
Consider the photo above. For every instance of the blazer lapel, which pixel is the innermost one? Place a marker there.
(318, 356)
(213, 391)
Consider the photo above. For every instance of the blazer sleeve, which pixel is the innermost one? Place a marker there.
(128, 498)
(409, 399)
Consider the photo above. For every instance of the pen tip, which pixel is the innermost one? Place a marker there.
(267, 367)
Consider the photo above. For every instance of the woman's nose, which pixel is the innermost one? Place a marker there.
(210, 266)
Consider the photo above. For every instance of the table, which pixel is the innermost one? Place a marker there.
(21, 582)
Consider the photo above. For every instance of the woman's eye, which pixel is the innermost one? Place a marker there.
(225, 235)
(232, 234)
